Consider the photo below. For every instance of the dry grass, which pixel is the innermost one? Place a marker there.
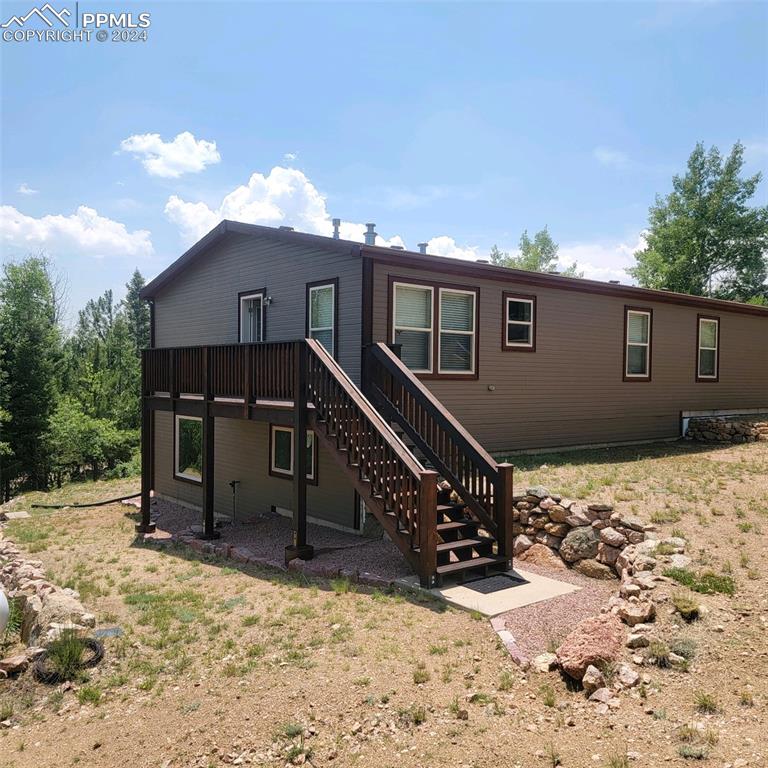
(295, 669)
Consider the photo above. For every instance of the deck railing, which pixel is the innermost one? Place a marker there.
(484, 485)
(232, 371)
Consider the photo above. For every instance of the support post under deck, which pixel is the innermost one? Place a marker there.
(299, 547)
(147, 441)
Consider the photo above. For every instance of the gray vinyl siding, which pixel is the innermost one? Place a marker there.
(570, 390)
(200, 304)
(242, 453)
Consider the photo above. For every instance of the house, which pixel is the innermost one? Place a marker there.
(404, 372)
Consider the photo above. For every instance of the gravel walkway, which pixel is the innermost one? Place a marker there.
(269, 536)
(535, 627)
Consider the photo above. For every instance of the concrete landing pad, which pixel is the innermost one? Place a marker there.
(524, 588)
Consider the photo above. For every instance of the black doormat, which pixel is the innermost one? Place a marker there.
(489, 584)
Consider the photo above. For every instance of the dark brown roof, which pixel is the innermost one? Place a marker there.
(443, 265)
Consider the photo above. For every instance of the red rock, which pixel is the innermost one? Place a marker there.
(597, 640)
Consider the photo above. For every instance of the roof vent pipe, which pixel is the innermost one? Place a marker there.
(370, 235)
(397, 247)
(423, 247)
(286, 229)
(336, 225)
(614, 282)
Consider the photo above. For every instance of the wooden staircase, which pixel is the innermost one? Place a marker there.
(450, 521)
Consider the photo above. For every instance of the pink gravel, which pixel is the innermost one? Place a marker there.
(268, 537)
(536, 626)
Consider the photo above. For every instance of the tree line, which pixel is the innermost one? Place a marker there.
(703, 238)
(69, 403)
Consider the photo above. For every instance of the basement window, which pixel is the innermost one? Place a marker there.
(188, 449)
(708, 349)
(637, 350)
(281, 453)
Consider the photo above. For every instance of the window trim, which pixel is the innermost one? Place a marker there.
(506, 346)
(242, 296)
(638, 376)
(473, 333)
(275, 472)
(333, 283)
(699, 377)
(434, 370)
(180, 476)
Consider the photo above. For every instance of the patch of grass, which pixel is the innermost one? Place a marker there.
(505, 681)
(481, 698)
(416, 714)
(693, 751)
(291, 730)
(342, 585)
(663, 548)
(746, 699)
(706, 583)
(684, 647)
(438, 650)
(548, 697)
(6, 710)
(362, 682)
(89, 694)
(658, 653)
(619, 760)
(421, 674)
(665, 516)
(659, 714)
(553, 755)
(65, 655)
(744, 527)
(705, 703)
(686, 606)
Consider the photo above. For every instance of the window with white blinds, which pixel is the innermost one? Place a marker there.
(412, 321)
(638, 344)
(709, 340)
(252, 318)
(322, 312)
(457, 331)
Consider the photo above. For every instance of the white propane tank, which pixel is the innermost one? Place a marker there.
(5, 611)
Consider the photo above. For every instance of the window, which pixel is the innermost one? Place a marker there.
(251, 319)
(321, 314)
(457, 331)
(281, 453)
(708, 352)
(412, 325)
(188, 449)
(519, 328)
(637, 352)
(435, 322)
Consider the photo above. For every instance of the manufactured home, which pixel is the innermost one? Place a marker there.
(404, 374)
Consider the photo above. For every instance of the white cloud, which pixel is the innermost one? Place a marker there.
(284, 197)
(25, 189)
(83, 232)
(602, 260)
(447, 246)
(170, 159)
(611, 158)
(289, 157)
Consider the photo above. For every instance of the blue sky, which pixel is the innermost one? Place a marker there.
(460, 124)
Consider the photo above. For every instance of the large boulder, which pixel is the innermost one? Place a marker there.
(522, 543)
(541, 555)
(595, 641)
(579, 544)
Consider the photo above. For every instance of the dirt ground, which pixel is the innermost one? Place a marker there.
(221, 664)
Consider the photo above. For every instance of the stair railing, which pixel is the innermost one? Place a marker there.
(484, 485)
(397, 479)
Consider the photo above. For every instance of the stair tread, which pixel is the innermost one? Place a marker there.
(449, 546)
(456, 525)
(463, 565)
(451, 507)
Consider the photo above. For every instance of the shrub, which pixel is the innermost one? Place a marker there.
(89, 694)
(65, 655)
(705, 703)
(686, 606)
(683, 647)
(658, 652)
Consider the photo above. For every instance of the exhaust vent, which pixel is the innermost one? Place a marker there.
(370, 235)
(336, 225)
(287, 229)
(423, 247)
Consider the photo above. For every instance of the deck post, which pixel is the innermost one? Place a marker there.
(299, 547)
(428, 528)
(209, 453)
(147, 440)
(503, 504)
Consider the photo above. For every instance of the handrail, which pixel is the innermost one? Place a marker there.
(414, 465)
(467, 466)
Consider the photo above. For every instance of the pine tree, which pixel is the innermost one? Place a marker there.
(136, 311)
(29, 352)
